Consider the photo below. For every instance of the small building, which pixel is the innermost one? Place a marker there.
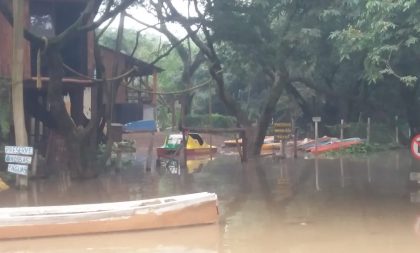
(48, 18)
(130, 102)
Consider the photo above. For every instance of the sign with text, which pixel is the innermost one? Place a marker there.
(17, 150)
(18, 159)
(316, 119)
(19, 169)
(282, 131)
(415, 146)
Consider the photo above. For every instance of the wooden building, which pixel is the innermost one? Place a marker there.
(48, 18)
(131, 104)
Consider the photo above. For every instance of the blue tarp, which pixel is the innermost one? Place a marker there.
(140, 126)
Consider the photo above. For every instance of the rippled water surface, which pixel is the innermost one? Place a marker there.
(341, 205)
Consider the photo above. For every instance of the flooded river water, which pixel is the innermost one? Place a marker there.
(298, 206)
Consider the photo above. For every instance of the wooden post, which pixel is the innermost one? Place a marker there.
(154, 95)
(150, 152)
(283, 148)
(244, 147)
(184, 145)
(396, 130)
(21, 136)
(368, 131)
(173, 114)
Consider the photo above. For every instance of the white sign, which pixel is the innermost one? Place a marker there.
(18, 159)
(17, 150)
(18, 169)
(316, 119)
(415, 176)
(415, 197)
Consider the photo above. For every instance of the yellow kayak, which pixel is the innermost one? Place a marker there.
(3, 185)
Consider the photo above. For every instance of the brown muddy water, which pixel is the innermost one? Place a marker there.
(297, 206)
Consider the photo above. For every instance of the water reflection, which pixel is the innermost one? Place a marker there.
(200, 239)
(176, 166)
(340, 205)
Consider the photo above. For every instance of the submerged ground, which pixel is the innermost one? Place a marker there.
(364, 204)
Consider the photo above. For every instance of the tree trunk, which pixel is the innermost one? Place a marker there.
(264, 121)
(412, 106)
(65, 125)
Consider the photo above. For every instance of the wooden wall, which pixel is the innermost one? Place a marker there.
(6, 44)
(110, 58)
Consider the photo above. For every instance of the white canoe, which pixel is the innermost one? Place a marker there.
(183, 210)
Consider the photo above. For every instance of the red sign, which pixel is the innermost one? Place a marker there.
(415, 146)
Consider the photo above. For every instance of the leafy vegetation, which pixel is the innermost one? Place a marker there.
(214, 121)
(360, 150)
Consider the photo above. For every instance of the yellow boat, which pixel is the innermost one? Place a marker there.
(268, 144)
(3, 185)
(195, 146)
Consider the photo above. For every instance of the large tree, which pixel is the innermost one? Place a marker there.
(272, 43)
(387, 34)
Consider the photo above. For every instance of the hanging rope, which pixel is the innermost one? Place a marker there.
(130, 71)
(199, 86)
(133, 69)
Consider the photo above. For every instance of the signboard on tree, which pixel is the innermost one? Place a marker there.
(282, 131)
(18, 159)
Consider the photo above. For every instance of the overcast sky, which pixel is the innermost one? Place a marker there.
(144, 16)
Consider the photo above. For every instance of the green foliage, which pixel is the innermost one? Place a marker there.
(121, 157)
(358, 150)
(380, 133)
(382, 30)
(217, 121)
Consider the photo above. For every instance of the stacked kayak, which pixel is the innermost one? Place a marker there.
(334, 144)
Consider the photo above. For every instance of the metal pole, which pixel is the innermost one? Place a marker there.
(342, 172)
(295, 143)
(341, 132)
(368, 131)
(317, 174)
(396, 130)
(316, 137)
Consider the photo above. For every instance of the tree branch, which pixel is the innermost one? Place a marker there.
(169, 50)
(107, 15)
